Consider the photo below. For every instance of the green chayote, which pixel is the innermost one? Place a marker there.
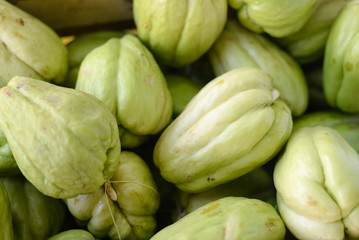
(233, 125)
(179, 32)
(341, 67)
(130, 199)
(34, 215)
(65, 142)
(317, 185)
(73, 234)
(29, 48)
(238, 47)
(6, 232)
(123, 74)
(8, 164)
(234, 218)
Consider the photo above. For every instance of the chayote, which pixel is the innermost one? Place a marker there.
(124, 207)
(64, 141)
(8, 165)
(238, 47)
(317, 185)
(179, 32)
(80, 47)
(278, 18)
(341, 67)
(6, 232)
(232, 218)
(29, 48)
(233, 125)
(307, 45)
(34, 215)
(123, 74)
(73, 234)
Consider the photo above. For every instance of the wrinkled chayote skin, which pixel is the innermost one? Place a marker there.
(232, 218)
(134, 209)
(80, 47)
(238, 47)
(34, 215)
(29, 48)
(307, 45)
(233, 125)
(73, 234)
(123, 74)
(278, 18)
(346, 124)
(65, 142)
(179, 32)
(6, 232)
(317, 185)
(341, 69)
(8, 164)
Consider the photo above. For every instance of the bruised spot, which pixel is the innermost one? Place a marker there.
(76, 200)
(6, 91)
(348, 66)
(20, 21)
(20, 85)
(220, 82)
(210, 179)
(187, 177)
(270, 224)
(210, 207)
(311, 202)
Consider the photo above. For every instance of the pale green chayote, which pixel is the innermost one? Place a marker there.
(73, 234)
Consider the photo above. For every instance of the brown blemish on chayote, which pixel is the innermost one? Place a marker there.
(210, 207)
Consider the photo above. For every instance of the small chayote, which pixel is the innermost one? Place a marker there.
(6, 232)
(65, 142)
(233, 125)
(233, 218)
(278, 18)
(123, 74)
(29, 48)
(8, 165)
(341, 60)
(237, 47)
(73, 234)
(179, 32)
(317, 184)
(125, 207)
(34, 215)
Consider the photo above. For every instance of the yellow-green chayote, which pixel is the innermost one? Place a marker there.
(234, 218)
(308, 44)
(237, 47)
(6, 232)
(80, 47)
(8, 164)
(73, 234)
(179, 32)
(341, 60)
(346, 124)
(123, 74)
(65, 142)
(317, 185)
(29, 48)
(278, 18)
(124, 207)
(34, 215)
(233, 125)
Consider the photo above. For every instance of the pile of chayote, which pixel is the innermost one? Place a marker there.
(233, 120)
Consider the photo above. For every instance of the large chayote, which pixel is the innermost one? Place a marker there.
(123, 74)
(308, 44)
(179, 32)
(124, 207)
(278, 18)
(233, 218)
(29, 48)
(341, 67)
(34, 215)
(6, 232)
(65, 141)
(238, 47)
(317, 184)
(73, 234)
(233, 125)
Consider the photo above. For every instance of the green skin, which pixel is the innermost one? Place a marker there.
(318, 186)
(238, 47)
(134, 209)
(278, 18)
(341, 69)
(233, 125)
(6, 232)
(29, 48)
(8, 164)
(234, 218)
(34, 215)
(72, 152)
(179, 32)
(73, 234)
